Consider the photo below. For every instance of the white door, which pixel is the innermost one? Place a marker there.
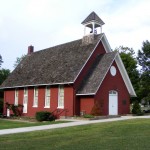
(25, 100)
(113, 103)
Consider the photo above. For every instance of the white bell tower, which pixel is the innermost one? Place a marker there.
(92, 26)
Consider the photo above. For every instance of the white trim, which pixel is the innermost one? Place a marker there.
(16, 97)
(37, 85)
(46, 89)
(113, 109)
(35, 99)
(106, 73)
(106, 44)
(61, 87)
(25, 95)
(46, 107)
(125, 76)
(88, 58)
(85, 94)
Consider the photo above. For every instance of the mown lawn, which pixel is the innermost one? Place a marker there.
(7, 124)
(121, 135)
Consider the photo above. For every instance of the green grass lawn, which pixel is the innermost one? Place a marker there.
(121, 135)
(8, 124)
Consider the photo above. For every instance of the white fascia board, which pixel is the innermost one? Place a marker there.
(125, 76)
(105, 74)
(106, 44)
(88, 58)
(37, 85)
(85, 94)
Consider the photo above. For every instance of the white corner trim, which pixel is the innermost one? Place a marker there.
(125, 75)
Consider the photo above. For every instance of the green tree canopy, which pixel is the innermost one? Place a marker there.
(3, 75)
(1, 61)
(18, 60)
(144, 62)
(130, 62)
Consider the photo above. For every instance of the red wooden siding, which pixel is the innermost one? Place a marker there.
(99, 50)
(86, 104)
(68, 100)
(113, 83)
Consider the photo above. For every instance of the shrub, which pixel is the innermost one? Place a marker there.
(44, 116)
(96, 110)
(17, 110)
(136, 109)
(88, 116)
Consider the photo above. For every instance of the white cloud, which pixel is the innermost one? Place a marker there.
(45, 23)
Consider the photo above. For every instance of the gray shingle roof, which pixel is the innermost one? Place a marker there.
(53, 65)
(96, 73)
(93, 17)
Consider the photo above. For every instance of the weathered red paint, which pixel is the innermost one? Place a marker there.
(31, 111)
(86, 104)
(113, 83)
(73, 104)
(99, 50)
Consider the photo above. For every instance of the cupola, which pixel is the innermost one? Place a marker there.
(94, 23)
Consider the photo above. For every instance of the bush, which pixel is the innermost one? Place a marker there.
(44, 116)
(88, 116)
(136, 109)
(17, 110)
(96, 110)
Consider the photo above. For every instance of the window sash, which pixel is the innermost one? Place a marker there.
(35, 101)
(61, 97)
(47, 96)
(16, 97)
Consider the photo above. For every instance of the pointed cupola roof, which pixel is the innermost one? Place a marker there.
(93, 17)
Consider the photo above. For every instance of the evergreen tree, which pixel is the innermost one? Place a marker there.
(144, 62)
(1, 61)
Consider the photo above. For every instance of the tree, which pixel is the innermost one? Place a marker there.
(130, 62)
(18, 60)
(144, 62)
(1, 61)
(144, 56)
(3, 75)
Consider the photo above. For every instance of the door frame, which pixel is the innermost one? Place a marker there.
(115, 99)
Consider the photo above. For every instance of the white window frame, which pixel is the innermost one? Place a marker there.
(35, 100)
(47, 97)
(25, 100)
(61, 97)
(16, 97)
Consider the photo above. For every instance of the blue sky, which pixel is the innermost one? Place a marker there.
(45, 23)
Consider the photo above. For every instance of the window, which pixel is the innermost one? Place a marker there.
(47, 97)
(16, 97)
(61, 97)
(25, 100)
(35, 101)
(113, 92)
